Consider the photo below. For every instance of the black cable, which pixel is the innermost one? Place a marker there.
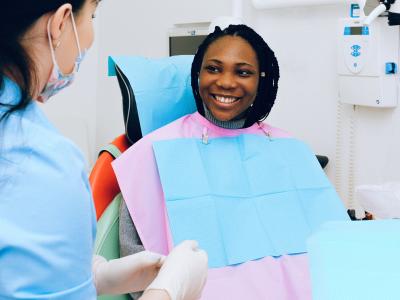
(394, 19)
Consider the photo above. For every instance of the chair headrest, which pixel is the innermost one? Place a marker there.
(155, 92)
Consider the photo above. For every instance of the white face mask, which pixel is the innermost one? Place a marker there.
(57, 80)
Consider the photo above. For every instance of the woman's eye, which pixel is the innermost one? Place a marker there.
(245, 73)
(212, 69)
(93, 16)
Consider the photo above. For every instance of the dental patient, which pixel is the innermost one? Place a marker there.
(248, 192)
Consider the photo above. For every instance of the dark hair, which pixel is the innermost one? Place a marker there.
(267, 86)
(16, 17)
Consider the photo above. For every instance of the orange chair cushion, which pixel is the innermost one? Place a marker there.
(102, 178)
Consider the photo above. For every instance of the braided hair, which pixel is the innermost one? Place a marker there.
(267, 86)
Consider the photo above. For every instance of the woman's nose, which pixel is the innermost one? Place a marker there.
(227, 81)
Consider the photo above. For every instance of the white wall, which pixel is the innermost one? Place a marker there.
(304, 40)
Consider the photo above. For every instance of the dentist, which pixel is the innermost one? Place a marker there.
(47, 220)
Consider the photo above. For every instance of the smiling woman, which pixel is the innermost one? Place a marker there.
(229, 77)
(235, 77)
(248, 192)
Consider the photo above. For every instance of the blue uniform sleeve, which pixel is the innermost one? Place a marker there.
(47, 221)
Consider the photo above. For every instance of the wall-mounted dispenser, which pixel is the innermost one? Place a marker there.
(368, 58)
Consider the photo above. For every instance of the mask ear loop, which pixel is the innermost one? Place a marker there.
(53, 55)
(76, 35)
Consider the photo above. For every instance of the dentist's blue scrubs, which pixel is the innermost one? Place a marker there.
(47, 218)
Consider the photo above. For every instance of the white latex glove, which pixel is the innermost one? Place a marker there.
(183, 273)
(127, 274)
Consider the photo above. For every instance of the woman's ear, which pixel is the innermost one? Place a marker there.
(58, 22)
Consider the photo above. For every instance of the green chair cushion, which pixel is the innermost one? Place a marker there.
(107, 238)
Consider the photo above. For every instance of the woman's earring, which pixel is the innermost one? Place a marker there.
(57, 45)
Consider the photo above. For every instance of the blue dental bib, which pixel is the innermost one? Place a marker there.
(244, 197)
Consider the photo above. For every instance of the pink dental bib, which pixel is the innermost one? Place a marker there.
(285, 277)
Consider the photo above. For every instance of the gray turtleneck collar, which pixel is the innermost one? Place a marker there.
(235, 123)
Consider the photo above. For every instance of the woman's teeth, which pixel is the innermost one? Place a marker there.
(224, 99)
